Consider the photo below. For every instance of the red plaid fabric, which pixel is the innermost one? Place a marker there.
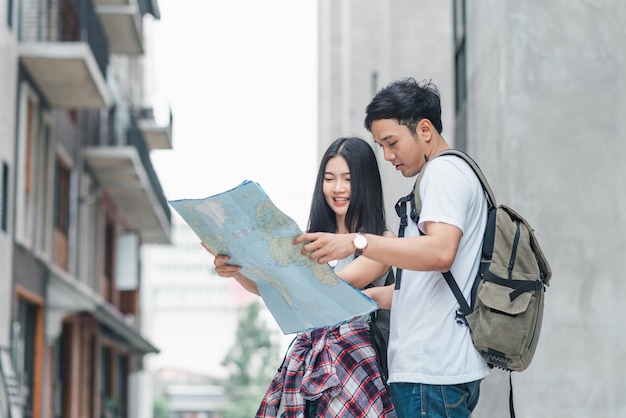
(335, 366)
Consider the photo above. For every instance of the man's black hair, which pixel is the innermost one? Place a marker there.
(408, 102)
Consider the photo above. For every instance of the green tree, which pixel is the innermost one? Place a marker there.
(252, 362)
(160, 407)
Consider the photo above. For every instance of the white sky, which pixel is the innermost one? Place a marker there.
(241, 79)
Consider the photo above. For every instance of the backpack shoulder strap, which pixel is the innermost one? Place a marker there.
(465, 308)
(491, 199)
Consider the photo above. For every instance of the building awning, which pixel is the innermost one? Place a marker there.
(68, 296)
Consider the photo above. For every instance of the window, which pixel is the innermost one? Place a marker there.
(10, 13)
(43, 209)
(62, 213)
(26, 172)
(127, 260)
(122, 384)
(108, 401)
(88, 361)
(70, 20)
(62, 218)
(109, 259)
(460, 75)
(27, 353)
(459, 54)
(34, 171)
(4, 197)
(60, 374)
(87, 255)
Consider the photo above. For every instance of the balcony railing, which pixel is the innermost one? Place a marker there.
(135, 138)
(123, 23)
(121, 162)
(65, 49)
(156, 133)
(73, 21)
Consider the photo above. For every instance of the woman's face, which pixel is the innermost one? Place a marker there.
(336, 187)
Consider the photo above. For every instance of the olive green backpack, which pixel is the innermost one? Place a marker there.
(507, 298)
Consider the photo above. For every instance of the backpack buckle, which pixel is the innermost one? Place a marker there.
(460, 318)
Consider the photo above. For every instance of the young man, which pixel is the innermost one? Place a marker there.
(434, 369)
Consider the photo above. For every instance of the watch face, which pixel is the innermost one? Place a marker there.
(360, 242)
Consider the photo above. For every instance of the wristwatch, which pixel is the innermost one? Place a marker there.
(360, 242)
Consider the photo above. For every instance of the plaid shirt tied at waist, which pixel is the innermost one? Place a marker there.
(335, 366)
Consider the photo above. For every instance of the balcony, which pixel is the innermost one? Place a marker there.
(122, 21)
(65, 52)
(124, 169)
(158, 135)
(67, 296)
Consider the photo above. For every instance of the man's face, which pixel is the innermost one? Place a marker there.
(400, 148)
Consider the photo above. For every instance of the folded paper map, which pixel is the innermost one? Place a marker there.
(244, 224)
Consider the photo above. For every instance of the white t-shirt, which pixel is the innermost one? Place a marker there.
(427, 345)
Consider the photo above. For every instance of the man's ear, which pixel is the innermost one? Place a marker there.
(425, 130)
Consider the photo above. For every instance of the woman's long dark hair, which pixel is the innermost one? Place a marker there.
(366, 207)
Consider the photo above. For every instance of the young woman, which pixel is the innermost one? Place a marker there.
(332, 371)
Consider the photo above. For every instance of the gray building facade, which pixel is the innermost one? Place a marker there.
(78, 198)
(534, 91)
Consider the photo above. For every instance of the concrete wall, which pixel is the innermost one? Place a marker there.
(8, 71)
(547, 89)
(546, 99)
(364, 45)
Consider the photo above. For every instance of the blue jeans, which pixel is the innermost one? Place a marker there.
(434, 401)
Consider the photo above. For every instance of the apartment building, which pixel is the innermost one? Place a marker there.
(534, 91)
(79, 197)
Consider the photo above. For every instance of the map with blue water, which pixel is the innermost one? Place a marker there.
(244, 224)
